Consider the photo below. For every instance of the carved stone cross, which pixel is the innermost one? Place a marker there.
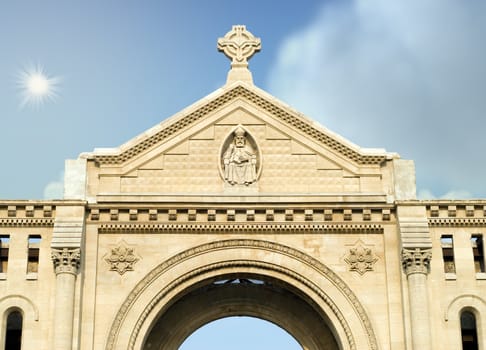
(239, 45)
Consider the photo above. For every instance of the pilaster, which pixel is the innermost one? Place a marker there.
(416, 256)
(66, 258)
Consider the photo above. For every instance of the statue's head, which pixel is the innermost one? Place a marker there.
(240, 139)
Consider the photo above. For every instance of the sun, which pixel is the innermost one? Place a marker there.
(36, 87)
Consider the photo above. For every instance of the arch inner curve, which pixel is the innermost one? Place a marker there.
(242, 295)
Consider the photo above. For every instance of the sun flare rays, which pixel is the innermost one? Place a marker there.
(37, 87)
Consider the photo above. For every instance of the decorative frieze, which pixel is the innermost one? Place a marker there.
(47, 210)
(29, 211)
(434, 211)
(95, 214)
(309, 214)
(348, 214)
(249, 228)
(153, 215)
(133, 214)
(12, 211)
(457, 222)
(238, 214)
(66, 260)
(328, 214)
(416, 260)
(27, 222)
(451, 210)
(269, 214)
(385, 214)
(192, 214)
(113, 214)
(289, 214)
(366, 214)
(464, 209)
(172, 214)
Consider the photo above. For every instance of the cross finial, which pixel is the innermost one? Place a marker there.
(239, 45)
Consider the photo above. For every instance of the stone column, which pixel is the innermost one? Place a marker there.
(416, 265)
(66, 263)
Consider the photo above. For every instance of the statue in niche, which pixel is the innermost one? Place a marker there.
(239, 161)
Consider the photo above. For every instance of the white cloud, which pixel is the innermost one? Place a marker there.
(454, 194)
(425, 194)
(55, 189)
(406, 75)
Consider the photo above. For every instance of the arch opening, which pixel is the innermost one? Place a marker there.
(13, 334)
(240, 333)
(249, 295)
(469, 335)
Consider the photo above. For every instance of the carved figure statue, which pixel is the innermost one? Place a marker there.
(239, 161)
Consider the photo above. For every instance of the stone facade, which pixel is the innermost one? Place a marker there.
(239, 205)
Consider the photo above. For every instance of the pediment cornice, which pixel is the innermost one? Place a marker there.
(218, 100)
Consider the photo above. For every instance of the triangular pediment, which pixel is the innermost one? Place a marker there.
(254, 96)
(191, 143)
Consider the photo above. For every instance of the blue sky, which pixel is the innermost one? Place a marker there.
(408, 76)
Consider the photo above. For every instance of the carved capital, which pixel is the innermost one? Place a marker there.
(66, 260)
(416, 260)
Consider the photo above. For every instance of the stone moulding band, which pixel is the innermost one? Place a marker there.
(268, 106)
(241, 243)
(240, 228)
(457, 222)
(17, 222)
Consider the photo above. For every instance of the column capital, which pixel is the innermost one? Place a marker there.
(66, 260)
(416, 260)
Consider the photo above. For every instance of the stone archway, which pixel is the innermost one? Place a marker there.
(242, 295)
(287, 272)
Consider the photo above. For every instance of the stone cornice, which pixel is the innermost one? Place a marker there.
(277, 228)
(241, 91)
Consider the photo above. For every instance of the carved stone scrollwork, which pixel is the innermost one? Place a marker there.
(66, 260)
(360, 259)
(121, 259)
(416, 260)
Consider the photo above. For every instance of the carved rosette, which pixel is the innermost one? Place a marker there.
(416, 260)
(121, 259)
(360, 259)
(66, 260)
